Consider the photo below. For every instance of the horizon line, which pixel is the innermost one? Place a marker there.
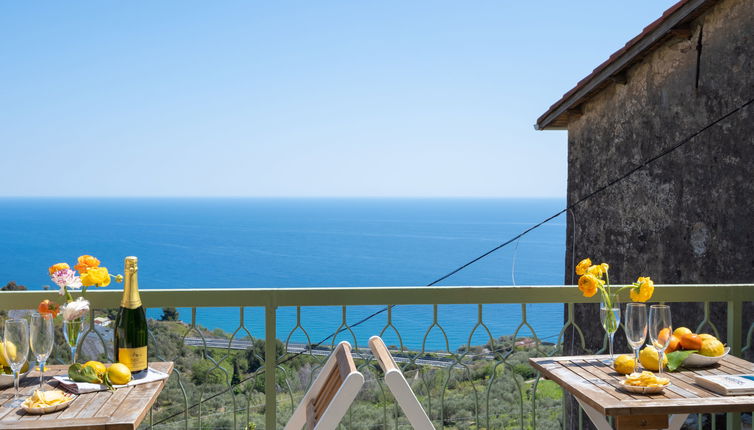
(278, 197)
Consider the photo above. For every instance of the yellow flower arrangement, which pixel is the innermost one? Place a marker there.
(595, 277)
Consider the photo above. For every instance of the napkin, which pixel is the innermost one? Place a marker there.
(87, 387)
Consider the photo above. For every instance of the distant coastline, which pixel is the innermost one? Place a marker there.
(292, 242)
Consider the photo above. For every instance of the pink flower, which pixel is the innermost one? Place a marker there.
(66, 278)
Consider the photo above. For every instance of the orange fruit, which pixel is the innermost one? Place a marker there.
(674, 344)
(691, 341)
(663, 335)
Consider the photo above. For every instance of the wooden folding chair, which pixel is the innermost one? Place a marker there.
(398, 385)
(331, 394)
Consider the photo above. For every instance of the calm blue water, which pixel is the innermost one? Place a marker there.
(252, 243)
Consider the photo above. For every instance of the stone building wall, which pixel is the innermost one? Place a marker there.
(689, 217)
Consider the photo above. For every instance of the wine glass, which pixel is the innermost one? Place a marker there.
(660, 329)
(610, 318)
(16, 343)
(42, 340)
(636, 328)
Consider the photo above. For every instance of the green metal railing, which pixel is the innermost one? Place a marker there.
(432, 384)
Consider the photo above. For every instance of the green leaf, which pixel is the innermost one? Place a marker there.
(107, 382)
(80, 373)
(676, 358)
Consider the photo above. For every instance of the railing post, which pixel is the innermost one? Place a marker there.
(270, 359)
(735, 326)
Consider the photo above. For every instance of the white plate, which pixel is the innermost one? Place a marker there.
(49, 409)
(642, 390)
(7, 380)
(699, 360)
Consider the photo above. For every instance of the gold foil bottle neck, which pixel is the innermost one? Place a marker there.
(131, 298)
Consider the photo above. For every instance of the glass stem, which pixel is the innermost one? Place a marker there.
(660, 356)
(15, 383)
(636, 360)
(41, 373)
(611, 346)
(73, 354)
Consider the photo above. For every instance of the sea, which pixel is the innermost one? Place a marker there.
(305, 242)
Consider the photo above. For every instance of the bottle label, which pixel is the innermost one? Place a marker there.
(134, 358)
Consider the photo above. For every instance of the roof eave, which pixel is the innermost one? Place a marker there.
(557, 117)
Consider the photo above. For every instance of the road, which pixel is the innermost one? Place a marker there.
(295, 348)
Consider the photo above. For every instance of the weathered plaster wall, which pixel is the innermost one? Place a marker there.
(688, 218)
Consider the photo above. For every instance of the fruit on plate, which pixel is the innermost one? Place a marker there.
(706, 336)
(649, 359)
(712, 347)
(646, 379)
(8, 348)
(119, 374)
(98, 367)
(674, 344)
(663, 335)
(681, 331)
(691, 341)
(624, 364)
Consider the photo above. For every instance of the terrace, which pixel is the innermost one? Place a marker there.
(469, 388)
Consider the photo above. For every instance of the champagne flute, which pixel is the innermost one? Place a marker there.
(16, 343)
(636, 328)
(660, 329)
(42, 340)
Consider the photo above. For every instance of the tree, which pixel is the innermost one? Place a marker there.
(12, 286)
(169, 314)
(236, 379)
(255, 354)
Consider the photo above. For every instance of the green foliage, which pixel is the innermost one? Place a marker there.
(169, 314)
(454, 397)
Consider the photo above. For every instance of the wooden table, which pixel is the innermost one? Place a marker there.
(123, 409)
(596, 387)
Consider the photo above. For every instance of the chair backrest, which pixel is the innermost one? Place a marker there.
(398, 385)
(328, 399)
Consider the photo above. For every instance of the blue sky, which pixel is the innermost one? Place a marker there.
(308, 98)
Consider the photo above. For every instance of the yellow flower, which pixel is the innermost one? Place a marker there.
(598, 270)
(644, 287)
(588, 284)
(85, 263)
(97, 276)
(583, 266)
(59, 266)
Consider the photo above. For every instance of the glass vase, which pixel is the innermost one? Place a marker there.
(72, 330)
(610, 319)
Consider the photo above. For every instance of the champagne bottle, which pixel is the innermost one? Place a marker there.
(130, 337)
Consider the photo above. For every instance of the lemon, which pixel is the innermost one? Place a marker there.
(624, 364)
(649, 359)
(119, 374)
(712, 348)
(681, 331)
(7, 348)
(98, 367)
(706, 336)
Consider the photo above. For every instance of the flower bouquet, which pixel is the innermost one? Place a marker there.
(595, 278)
(75, 312)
